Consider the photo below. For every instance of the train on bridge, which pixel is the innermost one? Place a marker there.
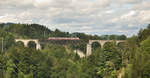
(63, 38)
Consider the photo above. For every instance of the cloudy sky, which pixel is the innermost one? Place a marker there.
(89, 16)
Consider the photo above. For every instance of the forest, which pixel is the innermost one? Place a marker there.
(126, 60)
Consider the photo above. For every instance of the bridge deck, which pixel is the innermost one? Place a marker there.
(63, 41)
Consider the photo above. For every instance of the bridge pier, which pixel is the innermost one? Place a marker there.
(38, 47)
(25, 43)
(88, 49)
(102, 43)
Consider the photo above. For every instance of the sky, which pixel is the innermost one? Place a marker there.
(98, 17)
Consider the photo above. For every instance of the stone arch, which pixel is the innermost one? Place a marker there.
(120, 41)
(121, 44)
(32, 44)
(20, 43)
(108, 44)
(95, 45)
(89, 46)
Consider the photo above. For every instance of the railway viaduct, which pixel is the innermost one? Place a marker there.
(88, 47)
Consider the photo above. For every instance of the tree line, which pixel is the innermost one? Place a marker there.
(126, 60)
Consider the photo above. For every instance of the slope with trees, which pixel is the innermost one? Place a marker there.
(126, 60)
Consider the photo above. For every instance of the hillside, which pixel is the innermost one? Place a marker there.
(25, 30)
(127, 60)
(40, 31)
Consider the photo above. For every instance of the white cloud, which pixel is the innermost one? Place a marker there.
(8, 18)
(16, 3)
(90, 16)
(130, 14)
(127, 1)
(142, 6)
(144, 16)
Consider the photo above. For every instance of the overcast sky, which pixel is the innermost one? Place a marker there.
(90, 16)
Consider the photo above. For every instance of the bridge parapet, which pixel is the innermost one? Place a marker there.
(104, 41)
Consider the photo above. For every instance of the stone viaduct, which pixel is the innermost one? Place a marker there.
(88, 48)
(101, 42)
(26, 41)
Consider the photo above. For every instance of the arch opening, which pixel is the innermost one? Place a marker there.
(32, 44)
(108, 45)
(95, 46)
(81, 47)
(121, 44)
(20, 43)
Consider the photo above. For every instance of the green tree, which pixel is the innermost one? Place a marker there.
(11, 72)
